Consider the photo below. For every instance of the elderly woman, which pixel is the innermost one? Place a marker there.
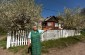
(34, 39)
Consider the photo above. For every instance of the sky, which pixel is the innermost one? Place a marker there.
(53, 7)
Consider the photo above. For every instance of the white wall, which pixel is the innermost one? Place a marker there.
(55, 34)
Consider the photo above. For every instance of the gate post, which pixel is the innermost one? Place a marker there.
(8, 40)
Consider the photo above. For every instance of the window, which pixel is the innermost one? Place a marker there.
(49, 24)
(56, 24)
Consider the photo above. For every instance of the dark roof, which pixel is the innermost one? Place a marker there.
(52, 18)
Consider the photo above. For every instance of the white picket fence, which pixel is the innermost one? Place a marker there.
(19, 38)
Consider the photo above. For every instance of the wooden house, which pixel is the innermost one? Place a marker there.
(51, 22)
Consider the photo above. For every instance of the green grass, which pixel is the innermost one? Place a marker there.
(58, 43)
(3, 43)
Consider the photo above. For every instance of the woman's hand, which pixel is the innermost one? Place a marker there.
(47, 29)
(50, 29)
(29, 43)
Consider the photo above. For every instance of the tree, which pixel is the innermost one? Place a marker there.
(19, 14)
(83, 11)
(73, 19)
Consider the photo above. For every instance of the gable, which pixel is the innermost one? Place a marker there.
(53, 18)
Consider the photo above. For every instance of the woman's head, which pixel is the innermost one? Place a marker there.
(34, 28)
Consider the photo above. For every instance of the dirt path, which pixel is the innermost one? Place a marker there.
(77, 49)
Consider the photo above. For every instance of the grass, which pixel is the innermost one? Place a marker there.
(58, 43)
(3, 43)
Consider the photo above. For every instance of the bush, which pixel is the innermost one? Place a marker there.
(83, 32)
(2, 31)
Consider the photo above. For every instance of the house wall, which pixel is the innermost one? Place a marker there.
(52, 26)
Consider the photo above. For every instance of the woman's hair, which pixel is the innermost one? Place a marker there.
(34, 26)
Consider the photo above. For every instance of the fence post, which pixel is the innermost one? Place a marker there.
(8, 40)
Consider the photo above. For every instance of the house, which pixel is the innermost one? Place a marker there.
(52, 22)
